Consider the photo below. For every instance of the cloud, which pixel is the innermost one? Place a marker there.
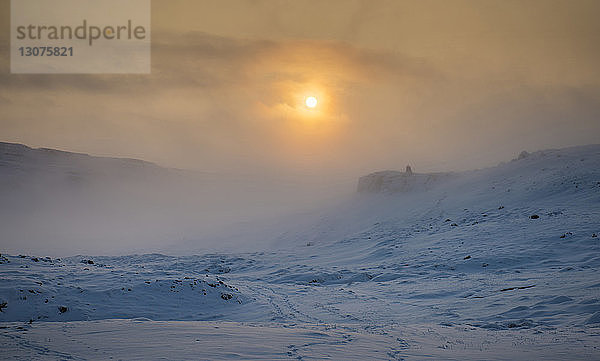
(220, 103)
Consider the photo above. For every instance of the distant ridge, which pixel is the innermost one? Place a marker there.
(8, 150)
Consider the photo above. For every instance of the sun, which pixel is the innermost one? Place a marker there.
(311, 102)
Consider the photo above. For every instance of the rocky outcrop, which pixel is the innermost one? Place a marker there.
(390, 181)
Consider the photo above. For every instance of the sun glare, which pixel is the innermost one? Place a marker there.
(311, 102)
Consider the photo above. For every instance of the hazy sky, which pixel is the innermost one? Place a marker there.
(438, 84)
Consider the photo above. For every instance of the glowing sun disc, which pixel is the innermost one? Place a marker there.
(311, 102)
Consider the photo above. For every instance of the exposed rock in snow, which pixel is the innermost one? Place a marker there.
(524, 154)
(390, 181)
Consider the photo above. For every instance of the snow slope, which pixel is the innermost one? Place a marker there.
(497, 263)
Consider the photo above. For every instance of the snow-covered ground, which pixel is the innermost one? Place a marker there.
(499, 263)
(141, 339)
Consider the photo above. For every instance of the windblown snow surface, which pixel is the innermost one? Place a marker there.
(493, 264)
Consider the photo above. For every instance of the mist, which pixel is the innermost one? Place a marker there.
(448, 87)
(61, 203)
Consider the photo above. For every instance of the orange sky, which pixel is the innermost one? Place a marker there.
(438, 84)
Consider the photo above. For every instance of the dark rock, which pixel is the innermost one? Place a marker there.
(226, 296)
(3, 305)
(467, 257)
(517, 288)
(534, 216)
(399, 182)
(524, 154)
(62, 309)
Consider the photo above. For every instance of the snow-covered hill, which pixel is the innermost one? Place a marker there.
(497, 263)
